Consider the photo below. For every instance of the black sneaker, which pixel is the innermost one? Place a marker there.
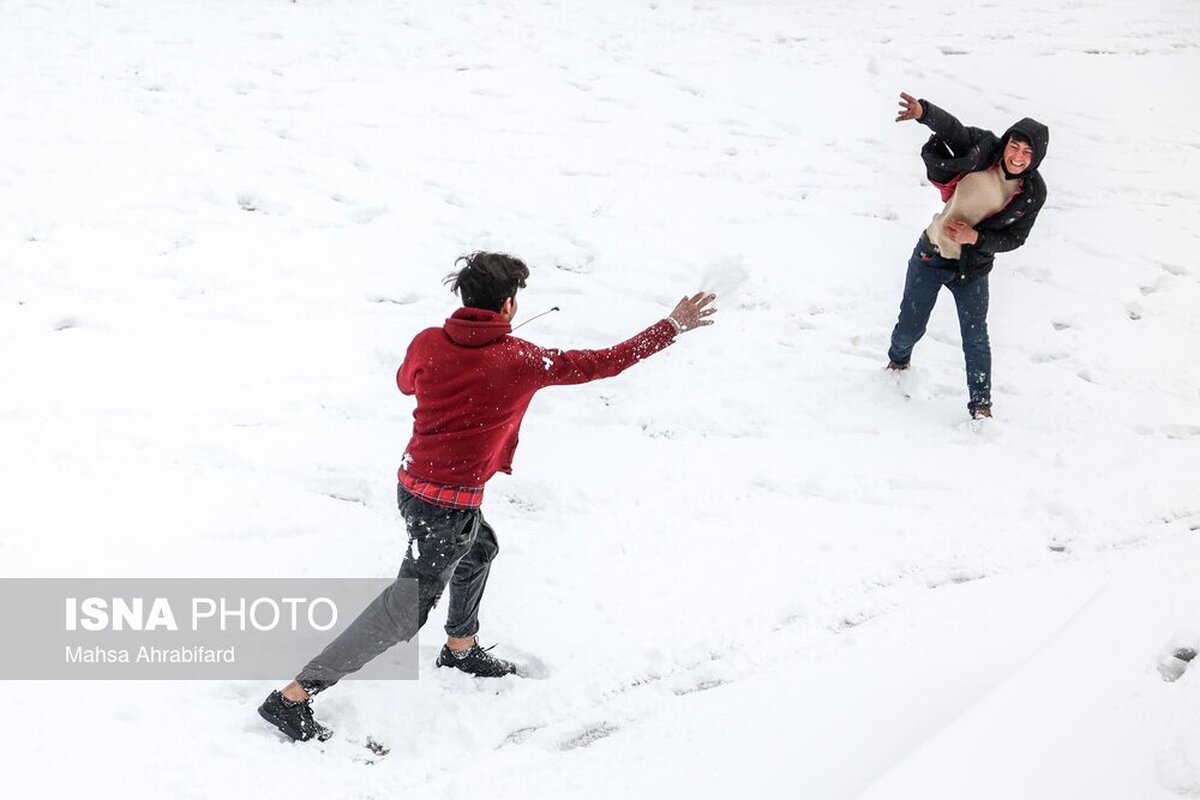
(896, 366)
(293, 717)
(477, 661)
(983, 412)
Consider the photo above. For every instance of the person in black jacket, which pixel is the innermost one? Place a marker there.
(993, 192)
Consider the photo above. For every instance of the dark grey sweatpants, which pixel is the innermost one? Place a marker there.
(445, 546)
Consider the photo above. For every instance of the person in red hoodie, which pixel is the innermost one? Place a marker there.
(473, 381)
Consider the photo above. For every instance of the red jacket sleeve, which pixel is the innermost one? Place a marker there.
(551, 367)
(406, 376)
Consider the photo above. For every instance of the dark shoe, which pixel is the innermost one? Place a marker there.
(294, 718)
(981, 413)
(896, 366)
(477, 661)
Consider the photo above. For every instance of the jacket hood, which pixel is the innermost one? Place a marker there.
(475, 327)
(1037, 133)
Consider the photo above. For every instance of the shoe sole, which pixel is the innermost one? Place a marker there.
(440, 665)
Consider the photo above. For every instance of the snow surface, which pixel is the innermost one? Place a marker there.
(755, 565)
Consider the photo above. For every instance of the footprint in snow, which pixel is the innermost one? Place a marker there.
(528, 665)
(400, 300)
(1047, 357)
(1167, 431)
(702, 686)
(1175, 662)
(955, 579)
(589, 736)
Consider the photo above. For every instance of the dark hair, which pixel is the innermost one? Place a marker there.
(1017, 136)
(487, 279)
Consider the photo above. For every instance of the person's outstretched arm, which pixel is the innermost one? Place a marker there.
(562, 367)
(941, 122)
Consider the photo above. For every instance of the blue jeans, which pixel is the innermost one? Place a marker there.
(928, 272)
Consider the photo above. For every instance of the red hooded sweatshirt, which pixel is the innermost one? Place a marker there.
(473, 382)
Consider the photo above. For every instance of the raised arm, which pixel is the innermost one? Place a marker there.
(941, 122)
(562, 367)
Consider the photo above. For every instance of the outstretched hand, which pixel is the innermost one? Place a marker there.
(910, 108)
(692, 312)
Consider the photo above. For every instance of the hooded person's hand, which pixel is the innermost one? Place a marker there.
(910, 108)
(960, 231)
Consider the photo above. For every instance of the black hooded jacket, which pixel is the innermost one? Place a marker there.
(955, 149)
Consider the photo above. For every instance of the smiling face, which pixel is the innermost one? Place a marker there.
(1018, 155)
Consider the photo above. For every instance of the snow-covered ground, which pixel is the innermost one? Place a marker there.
(755, 565)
